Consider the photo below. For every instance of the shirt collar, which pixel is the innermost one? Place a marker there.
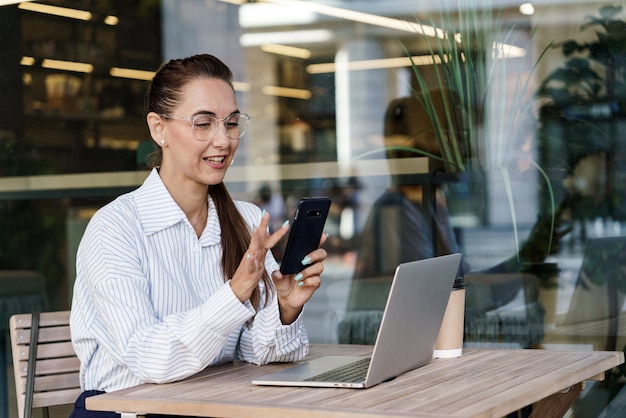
(157, 209)
(212, 232)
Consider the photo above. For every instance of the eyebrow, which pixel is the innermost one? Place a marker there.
(206, 112)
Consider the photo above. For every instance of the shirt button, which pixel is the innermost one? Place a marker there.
(196, 248)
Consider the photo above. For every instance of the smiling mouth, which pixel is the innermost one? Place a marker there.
(217, 160)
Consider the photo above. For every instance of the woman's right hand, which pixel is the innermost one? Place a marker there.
(252, 266)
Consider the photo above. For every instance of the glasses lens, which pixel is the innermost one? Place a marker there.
(204, 126)
(236, 125)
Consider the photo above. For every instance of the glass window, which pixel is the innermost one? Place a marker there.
(488, 128)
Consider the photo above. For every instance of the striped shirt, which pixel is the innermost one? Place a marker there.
(150, 301)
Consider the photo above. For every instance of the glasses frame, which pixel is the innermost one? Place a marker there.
(191, 120)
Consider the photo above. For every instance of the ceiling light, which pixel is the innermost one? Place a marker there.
(130, 73)
(27, 61)
(7, 2)
(287, 37)
(111, 20)
(256, 15)
(361, 17)
(508, 51)
(500, 51)
(149, 75)
(240, 86)
(289, 51)
(55, 10)
(375, 64)
(80, 67)
(286, 92)
(527, 9)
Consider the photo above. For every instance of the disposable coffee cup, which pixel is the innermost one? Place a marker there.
(450, 340)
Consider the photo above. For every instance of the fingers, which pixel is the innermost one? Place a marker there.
(247, 276)
(315, 256)
(273, 239)
(314, 269)
(261, 237)
(251, 262)
(259, 232)
(310, 276)
(252, 266)
(310, 281)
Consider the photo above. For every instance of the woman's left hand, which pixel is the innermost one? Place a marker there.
(294, 290)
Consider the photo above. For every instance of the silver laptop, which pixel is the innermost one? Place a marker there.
(406, 337)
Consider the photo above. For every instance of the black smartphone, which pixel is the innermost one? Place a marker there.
(305, 232)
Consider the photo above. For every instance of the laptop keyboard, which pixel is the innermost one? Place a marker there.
(349, 373)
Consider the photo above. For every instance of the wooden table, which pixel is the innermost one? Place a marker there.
(480, 383)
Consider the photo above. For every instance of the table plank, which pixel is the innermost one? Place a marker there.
(480, 383)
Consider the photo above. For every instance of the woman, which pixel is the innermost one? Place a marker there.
(174, 276)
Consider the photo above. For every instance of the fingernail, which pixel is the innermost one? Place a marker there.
(306, 260)
(263, 213)
(285, 223)
(298, 277)
(300, 283)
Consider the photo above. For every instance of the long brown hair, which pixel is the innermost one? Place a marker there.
(164, 94)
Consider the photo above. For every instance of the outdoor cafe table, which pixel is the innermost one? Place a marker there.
(480, 383)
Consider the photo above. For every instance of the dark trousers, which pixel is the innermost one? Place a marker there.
(80, 411)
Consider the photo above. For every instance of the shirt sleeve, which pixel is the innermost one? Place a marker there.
(154, 349)
(267, 340)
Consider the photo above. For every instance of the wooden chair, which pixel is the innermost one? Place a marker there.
(49, 377)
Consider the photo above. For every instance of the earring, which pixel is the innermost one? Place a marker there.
(163, 142)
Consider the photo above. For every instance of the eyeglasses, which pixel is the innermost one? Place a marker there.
(205, 126)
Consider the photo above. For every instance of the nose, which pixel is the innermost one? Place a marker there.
(220, 138)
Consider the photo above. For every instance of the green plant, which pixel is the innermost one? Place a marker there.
(481, 66)
(580, 98)
(477, 58)
(595, 71)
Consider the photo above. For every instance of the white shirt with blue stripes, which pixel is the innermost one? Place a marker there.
(150, 301)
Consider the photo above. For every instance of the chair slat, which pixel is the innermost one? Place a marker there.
(60, 349)
(46, 335)
(54, 382)
(51, 366)
(57, 368)
(46, 319)
(58, 397)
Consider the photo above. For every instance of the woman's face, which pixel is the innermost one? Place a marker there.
(186, 160)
